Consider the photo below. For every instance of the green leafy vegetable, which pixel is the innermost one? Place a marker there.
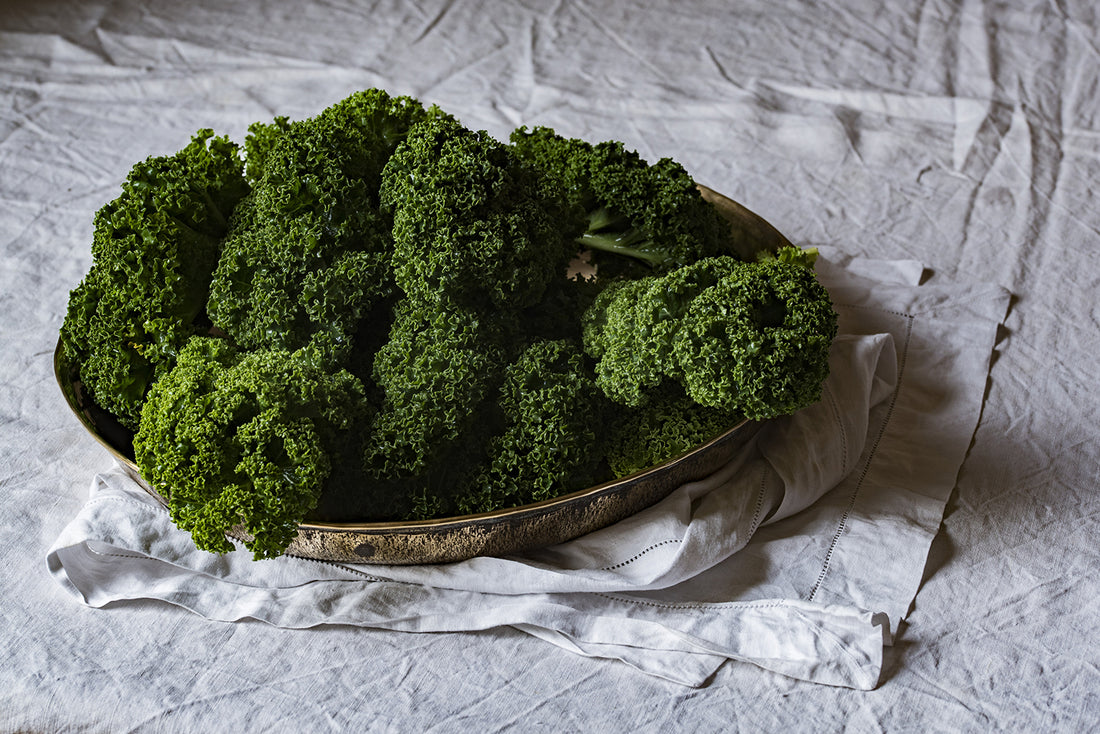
(308, 259)
(758, 341)
(669, 424)
(747, 338)
(153, 251)
(552, 413)
(649, 213)
(245, 438)
(470, 223)
(438, 367)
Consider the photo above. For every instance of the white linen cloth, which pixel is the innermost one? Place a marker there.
(801, 555)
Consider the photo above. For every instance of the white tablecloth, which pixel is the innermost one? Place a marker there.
(846, 496)
(958, 136)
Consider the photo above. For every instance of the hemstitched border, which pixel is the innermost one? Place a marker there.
(641, 553)
(867, 466)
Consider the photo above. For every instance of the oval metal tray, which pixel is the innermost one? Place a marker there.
(503, 532)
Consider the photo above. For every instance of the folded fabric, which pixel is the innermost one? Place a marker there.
(799, 555)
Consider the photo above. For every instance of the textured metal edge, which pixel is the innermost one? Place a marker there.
(518, 529)
(754, 232)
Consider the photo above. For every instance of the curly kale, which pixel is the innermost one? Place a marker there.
(261, 138)
(669, 424)
(747, 338)
(558, 314)
(758, 341)
(286, 285)
(609, 328)
(244, 439)
(153, 251)
(375, 313)
(652, 214)
(553, 415)
(477, 252)
(631, 325)
(437, 369)
(308, 258)
(471, 223)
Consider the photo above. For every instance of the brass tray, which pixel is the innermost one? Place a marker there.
(503, 532)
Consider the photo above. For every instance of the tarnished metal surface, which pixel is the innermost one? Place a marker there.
(515, 530)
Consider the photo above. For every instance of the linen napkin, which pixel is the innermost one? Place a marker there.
(799, 555)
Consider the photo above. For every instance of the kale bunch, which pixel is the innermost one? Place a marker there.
(471, 225)
(549, 444)
(153, 251)
(476, 246)
(634, 216)
(746, 338)
(232, 438)
(668, 425)
(307, 258)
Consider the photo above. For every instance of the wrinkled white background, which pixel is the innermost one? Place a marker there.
(961, 134)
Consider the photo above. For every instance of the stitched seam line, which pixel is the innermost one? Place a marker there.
(136, 555)
(640, 554)
(670, 605)
(827, 637)
(866, 467)
(858, 307)
(350, 569)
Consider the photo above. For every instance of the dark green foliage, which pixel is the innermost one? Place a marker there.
(758, 341)
(552, 413)
(558, 313)
(479, 259)
(372, 317)
(470, 223)
(261, 138)
(748, 338)
(331, 164)
(309, 257)
(437, 369)
(623, 372)
(286, 285)
(631, 327)
(244, 438)
(153, 250)
(669, 424)
(647, 213)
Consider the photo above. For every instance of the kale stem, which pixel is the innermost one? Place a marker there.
(621, 244)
